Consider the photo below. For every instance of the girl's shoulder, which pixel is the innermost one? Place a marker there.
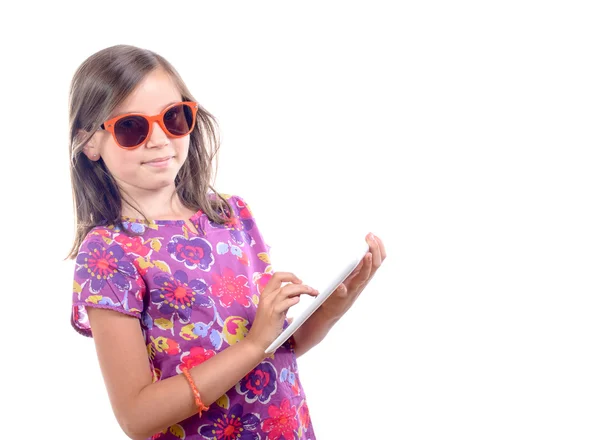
(239, 209)
(111, 233)
(228, 197)
(107, 241)
(238, 203)
(100, 234)
(121, 242)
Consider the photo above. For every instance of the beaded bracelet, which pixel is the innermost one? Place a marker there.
(199, 404)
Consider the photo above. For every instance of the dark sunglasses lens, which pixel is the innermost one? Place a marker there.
(179, 120)
(131, 131)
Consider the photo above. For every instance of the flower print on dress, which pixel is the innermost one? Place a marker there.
(194, 357)
(231, 425)
(100, 264)
(282, 422)
(235, 328)
(260, 384)
(137, 226)
(288, 378)
(194, 252)
(246, 221)
(224, 248)
(230, 288)
(304, 415)
(105, 233)
(240, 224)
(165, 345)
(132, 245)
(175, 294)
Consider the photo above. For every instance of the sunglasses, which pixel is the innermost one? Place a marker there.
(133, 129)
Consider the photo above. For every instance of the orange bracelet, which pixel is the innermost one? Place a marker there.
(199, 404)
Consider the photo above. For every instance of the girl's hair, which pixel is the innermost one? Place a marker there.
(99, 85)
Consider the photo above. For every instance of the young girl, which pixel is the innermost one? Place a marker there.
(174, 279)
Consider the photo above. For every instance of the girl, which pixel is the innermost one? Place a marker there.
(174, 279)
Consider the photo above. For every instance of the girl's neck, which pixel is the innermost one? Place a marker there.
(161, 205)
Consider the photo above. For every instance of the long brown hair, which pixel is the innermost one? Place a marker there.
(100, 84)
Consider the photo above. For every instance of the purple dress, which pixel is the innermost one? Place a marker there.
(195, 294)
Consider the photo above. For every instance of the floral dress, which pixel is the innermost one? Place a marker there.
(195, 294)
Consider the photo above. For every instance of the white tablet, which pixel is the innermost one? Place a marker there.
(324, 293)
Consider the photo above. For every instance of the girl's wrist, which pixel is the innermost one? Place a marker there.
(328, 315)
(255, 350)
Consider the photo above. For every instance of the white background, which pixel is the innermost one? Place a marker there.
(465, 134)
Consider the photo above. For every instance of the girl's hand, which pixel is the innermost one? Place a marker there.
(344, 296)
(273, 305)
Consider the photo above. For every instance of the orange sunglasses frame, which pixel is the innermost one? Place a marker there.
(109, 125)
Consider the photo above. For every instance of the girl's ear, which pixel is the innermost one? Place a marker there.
(90, 149)
(91, 154)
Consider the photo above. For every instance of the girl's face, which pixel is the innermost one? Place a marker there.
(155, 164)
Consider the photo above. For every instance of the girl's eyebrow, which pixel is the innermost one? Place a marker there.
(114, 115)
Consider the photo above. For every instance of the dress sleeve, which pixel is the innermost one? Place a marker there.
(105, 277)
(258, 251)
(247, 224)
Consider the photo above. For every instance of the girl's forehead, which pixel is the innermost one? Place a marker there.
(151, 96)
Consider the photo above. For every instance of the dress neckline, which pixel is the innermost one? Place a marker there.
(194, 216)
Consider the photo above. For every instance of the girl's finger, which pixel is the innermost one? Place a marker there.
(381, 248)
(357, 270)
(375, 251)
(283, 306)
(296, 289)
(366, 268)
(369, 269)
(278, 279)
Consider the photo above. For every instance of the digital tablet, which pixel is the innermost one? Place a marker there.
(324, 293)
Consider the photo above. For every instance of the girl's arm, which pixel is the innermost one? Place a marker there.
(143, 408)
